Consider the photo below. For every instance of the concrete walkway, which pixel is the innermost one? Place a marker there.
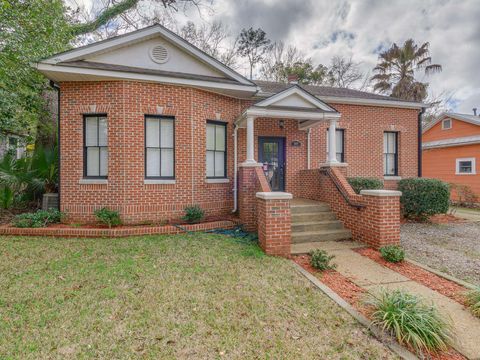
(373, 277)
(472, 215)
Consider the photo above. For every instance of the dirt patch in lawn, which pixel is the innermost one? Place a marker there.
(445, 287)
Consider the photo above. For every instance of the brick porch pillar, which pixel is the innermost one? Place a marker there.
(381, 218)
(274, 223)
(247, 187)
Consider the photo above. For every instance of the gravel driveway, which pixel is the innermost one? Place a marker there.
(451, 248)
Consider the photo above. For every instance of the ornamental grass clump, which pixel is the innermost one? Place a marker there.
(320, 260)
(473, 301)
(193, 214)
(392, 253)
(411, 321)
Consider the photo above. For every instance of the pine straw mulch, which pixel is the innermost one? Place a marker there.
(441, 285)
(354, 295)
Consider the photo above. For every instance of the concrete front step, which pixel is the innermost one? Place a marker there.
(310, 217)
(302, 209)
(320, 235)
(332, 224)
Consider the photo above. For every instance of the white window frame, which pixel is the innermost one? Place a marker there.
(443, 124)
(457, 166)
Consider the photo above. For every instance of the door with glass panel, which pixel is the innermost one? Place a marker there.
(271, 154)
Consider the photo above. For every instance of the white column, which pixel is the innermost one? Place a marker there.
(250, 141)
(332, 143)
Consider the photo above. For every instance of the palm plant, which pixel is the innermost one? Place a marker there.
(395, 72)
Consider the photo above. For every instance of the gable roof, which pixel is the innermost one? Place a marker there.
(472, 119)
(296, 90)
(335, 94)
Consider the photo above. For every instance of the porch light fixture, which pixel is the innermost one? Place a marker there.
(281, 124)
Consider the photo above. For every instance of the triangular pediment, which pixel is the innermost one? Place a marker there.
(295, 97)
(151, 49)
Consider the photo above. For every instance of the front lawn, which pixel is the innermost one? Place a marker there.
(186, 296)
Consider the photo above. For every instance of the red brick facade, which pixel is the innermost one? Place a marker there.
(127, 102)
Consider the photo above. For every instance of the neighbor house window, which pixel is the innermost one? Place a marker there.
(390, 153)
(216, 149)
(95, 150)
(446, 124)
(340, 142)
(465, 166)
(159, 147)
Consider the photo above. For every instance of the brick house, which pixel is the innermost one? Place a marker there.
(149, 124)
(451, 147)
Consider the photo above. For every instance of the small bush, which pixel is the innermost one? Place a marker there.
(6, 197)
(392, 253)
(473, 301)
(364, 183)
(411, 321)
(41, 218)
(465, 195)
(422, 198)
(193, 214)
(108, 217)
(320, 260)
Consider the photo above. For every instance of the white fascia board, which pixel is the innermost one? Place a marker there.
(298, 91)
(450, 116)
(144, 34)
(290, 114)
(145, 77)
(444, 144)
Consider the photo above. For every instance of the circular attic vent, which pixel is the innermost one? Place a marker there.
(159, 54)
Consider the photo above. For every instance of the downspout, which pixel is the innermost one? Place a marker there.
(56, 87)
(419, 160)
(308, 148)
(235, 172)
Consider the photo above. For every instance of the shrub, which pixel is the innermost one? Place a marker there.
(364, 183)
(392, 253)
(41, 218)
(465, 195)
(473, 301)
(193, 214)
(108, 217)
(6, 197)
(423, 197)
(411, 321)
(320, 260)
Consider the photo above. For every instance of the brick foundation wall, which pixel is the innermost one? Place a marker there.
(376, 222)
(274, 226)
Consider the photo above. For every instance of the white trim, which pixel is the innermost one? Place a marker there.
(381, 193)
(467, 140)
(217, 181)
(250, 164)
(443, 124)
(274, 195)
(295, 90)
(457, 166)
(158, 182)
(145, 77)
(93, 181)
(392, 178)
(333, 164)
(144, 34)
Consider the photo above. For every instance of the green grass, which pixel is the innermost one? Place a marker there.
(473, 301)
(411, 321)
(186, 296)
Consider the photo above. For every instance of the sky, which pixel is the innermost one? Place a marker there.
(361, 29)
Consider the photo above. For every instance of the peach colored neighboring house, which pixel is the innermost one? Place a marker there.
(451, 151)
(150, 124)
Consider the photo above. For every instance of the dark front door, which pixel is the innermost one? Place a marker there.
(271, 153)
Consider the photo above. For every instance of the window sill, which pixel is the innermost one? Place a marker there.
(217, 181)
(159, 181)
(93, 181)
(461, 174)
(392, 177)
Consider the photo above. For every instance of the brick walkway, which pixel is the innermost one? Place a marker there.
(372, 276)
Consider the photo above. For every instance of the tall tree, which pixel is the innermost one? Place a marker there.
(343, 72)
(253, 44)
(395, 72)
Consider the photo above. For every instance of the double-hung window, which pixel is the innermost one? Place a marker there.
(465, 166)
(216, 149)
(390, 153)
(159, 147)
(340, 144)
(95, 146)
